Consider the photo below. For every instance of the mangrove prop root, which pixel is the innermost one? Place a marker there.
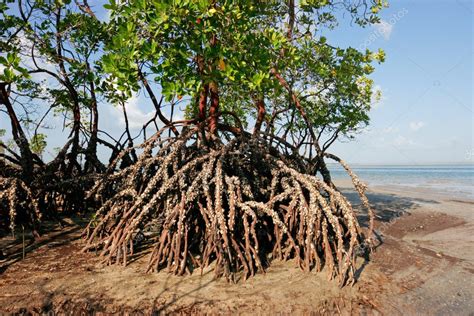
(17, 203)
(360, 187)
(236, 206)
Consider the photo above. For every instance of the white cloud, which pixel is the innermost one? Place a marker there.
(415, 126)
(136, 116)
(403, 141)
(390, 129)
(384, 28)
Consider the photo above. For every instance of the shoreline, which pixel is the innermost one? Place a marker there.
(435, 190)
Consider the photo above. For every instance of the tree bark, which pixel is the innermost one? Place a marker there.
(214, 108)
(291, 19)
(92, 162)
(260, 115)
(26, 156)
(75, 132)
(323, 169)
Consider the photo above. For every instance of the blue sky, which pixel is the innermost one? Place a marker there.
(425, 115)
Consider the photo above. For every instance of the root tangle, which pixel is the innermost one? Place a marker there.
(235, 205)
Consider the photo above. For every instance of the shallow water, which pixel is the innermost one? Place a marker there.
(455, 180)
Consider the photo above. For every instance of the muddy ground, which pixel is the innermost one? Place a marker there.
(424, 266)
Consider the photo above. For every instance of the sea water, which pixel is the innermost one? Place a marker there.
(455, 180)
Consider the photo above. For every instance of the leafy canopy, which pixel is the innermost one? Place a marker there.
(182, 45)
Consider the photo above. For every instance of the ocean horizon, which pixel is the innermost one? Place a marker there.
(456, 180)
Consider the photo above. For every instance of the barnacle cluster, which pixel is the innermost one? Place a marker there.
(17, 200)
(236, 206)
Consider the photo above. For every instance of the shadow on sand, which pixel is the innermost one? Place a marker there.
(12, 249)
(387, 207)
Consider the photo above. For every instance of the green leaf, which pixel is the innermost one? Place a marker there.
(38, 143)
(9, 75)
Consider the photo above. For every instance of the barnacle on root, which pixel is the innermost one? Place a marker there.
(17, 200)
(235, 205)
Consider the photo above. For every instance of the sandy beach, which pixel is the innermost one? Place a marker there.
(424, 265)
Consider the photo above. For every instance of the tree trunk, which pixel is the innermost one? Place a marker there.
(92, 162)
(323, 169)
(260, 116)
(26, 156)
(72, 157)
(214, 108)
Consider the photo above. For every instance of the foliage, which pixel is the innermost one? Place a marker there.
(38, 143)
(184, 45)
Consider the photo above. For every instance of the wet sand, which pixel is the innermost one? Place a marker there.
(424, 266)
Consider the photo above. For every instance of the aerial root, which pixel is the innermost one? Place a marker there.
(235, 208)
(18, 203)
(360, 187)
